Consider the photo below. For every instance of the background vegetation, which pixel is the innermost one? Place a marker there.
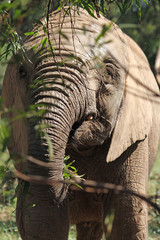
(138, 18)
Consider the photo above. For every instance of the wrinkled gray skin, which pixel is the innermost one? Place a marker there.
(103, 113)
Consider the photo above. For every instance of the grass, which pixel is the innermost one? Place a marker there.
(8, 229)
(153, 190)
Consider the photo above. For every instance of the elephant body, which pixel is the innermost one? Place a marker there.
(99, 103)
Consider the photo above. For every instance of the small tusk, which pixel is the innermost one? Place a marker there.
(90, 117)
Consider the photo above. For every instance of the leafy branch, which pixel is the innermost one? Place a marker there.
(78, 184)
(11, 41)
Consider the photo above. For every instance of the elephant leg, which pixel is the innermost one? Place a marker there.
(39, 219)
(86, 211)
(89, 231)
(130, 220)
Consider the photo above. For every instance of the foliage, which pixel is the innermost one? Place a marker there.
(8, 228)
(18, 16)
(145, 31)
(14, 14)
(70, 172)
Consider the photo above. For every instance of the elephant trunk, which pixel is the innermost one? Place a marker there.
(61, 103)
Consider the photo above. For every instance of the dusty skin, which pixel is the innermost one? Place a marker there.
(102, 104)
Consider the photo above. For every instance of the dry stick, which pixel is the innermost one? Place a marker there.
(100, 187)
(87, 186)
(93, 186)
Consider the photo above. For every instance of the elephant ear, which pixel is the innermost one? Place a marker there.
(135, 117)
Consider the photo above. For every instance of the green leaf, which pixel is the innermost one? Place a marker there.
(138, 8)
(59, 8)
(34, 47)
(50, 46)
(73, 168)
(103, 32)
(44, 42)
(66, 158)
(29, 33)
(45, 29)
(147, 3)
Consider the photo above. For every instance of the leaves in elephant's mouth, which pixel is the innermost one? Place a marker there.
(70, 172)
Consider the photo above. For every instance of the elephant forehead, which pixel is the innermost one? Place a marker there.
(82, 36)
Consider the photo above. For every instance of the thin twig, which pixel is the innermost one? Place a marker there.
(87, 186)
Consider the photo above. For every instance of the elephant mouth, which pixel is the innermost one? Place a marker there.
(75, 126)
(88, 133)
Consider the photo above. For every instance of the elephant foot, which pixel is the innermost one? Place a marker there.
(89, 231)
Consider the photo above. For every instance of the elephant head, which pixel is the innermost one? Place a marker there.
(92, 90)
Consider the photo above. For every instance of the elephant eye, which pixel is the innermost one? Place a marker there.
(109, 72)
(22, 72)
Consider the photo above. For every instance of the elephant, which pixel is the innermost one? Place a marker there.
(99, 104)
